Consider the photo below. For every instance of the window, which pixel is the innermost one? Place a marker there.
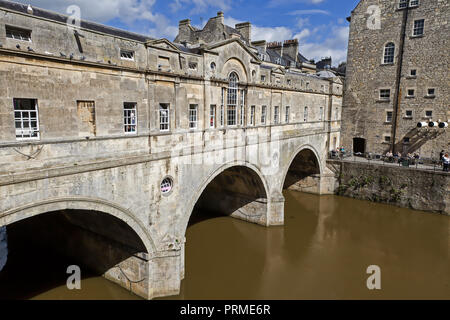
(263, 114)
(193, 65)
(26, 119)
(213, 66)
(126, 55)
(408, 114)
(411, 93)
(389, 51)
(414, 3)
(222, 112)
(403, 4)
(321, 114)
(387, 139)
(307, 85)
(276, 115)
(252, 115)
(413, 73)
(242, 109)
(129, 117)
(428, 113)
(389, 116)
(431, 92)
(164, 113)
(336, 114)
(288, 114)
(289, 82)
(278, 61)
(232, 97)
(263, 78)
(406, 140)
(305, 115)
(385, 94)
(18, 33)
(418, 27)
(193, 116)
(166, 186)
(212, 116)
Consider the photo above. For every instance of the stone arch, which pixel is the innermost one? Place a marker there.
(81, 203)
(194, 199)
(234, 64)
(294, 156)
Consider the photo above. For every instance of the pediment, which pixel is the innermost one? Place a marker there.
(163, 44)
(218, 45)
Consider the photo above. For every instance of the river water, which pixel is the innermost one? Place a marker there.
(322, 252)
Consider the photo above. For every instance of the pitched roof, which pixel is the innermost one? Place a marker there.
(38, 12)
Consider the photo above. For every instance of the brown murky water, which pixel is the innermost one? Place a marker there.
(322, 252)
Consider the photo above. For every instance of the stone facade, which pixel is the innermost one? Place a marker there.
(70, 142)
(423, 65)
(409, 188)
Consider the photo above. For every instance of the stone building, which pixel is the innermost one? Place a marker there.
(96, 120)
(397, 79)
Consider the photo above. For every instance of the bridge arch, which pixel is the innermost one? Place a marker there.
(303, 170)
(252, 173)
(80, 203)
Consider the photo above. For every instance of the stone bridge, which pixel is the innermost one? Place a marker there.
(110, 140)
(113, 218)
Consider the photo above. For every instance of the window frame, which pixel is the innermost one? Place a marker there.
(212, 116)
(380, 94)
(193, 116)
(129, 117)
(389, 115)
(232, 99)
(420, 28)
(125, 52)
(30, 119)
(164, 107)
(18, 30)
(276, 115)
(388, 54)
(263, 114)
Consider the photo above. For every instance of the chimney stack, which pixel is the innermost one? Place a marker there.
(220, 17)
(245, 29)
(290, 48)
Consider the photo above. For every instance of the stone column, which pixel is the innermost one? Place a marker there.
(275, 214)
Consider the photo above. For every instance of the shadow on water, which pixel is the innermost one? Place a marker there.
(41, 249)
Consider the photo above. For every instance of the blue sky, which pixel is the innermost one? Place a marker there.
(319, 25)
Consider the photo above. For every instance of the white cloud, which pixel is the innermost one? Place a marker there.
(276, 3)
(307, 12)
(302, 22)
(200, 6)
(264, 33)
(335, 46)
(129, 12)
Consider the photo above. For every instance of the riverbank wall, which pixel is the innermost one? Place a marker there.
(424, 190)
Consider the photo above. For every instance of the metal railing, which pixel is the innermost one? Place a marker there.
(374, 158)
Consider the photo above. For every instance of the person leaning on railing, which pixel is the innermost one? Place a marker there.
(446, 162)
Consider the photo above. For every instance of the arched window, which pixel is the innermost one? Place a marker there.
(389, 52)
(232, 99)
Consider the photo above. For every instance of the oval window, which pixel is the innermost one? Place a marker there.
(166, 186)
(213, 66)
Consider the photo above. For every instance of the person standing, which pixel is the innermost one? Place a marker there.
(446, 162)
(441, 155)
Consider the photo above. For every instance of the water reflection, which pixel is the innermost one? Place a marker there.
(322, 252)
